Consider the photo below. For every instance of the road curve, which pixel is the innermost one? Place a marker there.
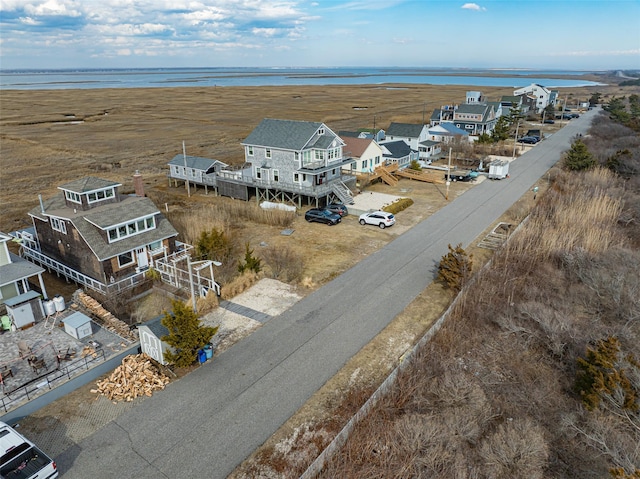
(207, 423)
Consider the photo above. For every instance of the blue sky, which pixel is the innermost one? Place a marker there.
(551, 34)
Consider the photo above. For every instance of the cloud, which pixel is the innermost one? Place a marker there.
(473, 6)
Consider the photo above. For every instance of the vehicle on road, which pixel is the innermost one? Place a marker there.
(529, 140)
(550, 122)
(337, 208)
(382, 219)
(461, 175)
(21, 459)
(320, 215)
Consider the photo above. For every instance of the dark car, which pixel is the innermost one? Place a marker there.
(529, 140)
(567, 116)
(574, 115)
(549, 122)
(322, 216)
(337, 208)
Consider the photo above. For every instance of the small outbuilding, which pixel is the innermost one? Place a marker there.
(78, 325)
(150, 342)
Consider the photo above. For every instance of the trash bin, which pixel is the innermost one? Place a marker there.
(202, 356)
(208, 349)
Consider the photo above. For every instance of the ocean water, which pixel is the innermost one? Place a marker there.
(214, 77)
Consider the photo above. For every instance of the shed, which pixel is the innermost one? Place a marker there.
(150, 342)
(78, 325)
(25, 309)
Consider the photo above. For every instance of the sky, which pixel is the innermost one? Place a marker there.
(550, 34)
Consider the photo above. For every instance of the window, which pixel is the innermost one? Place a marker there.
(276, 175)
(297, 156)
(258, 173)
(319, 154)
(249, 150)
(268, 153)
(71, 196)
(100, 195)
(321, 131)
(306, 157)
(296, 177)
(130, 229)
(155, 246)
(176, 169)
(58, 225)
(125, 259)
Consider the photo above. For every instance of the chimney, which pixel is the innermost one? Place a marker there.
(41, 204)
(137, 184)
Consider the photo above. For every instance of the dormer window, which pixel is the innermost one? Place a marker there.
(72, 196)
(100, 195)
(131, 229)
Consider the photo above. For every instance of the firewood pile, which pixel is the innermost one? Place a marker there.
(137, 376)
(106, 319)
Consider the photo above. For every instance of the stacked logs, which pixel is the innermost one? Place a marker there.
(137, 376)
(106, 319)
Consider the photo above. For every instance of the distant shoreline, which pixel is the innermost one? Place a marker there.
(230, 77)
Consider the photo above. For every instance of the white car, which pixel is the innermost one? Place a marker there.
(378, 218)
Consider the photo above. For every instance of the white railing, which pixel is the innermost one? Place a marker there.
(77, 277)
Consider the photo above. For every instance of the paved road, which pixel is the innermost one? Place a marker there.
(211, 420)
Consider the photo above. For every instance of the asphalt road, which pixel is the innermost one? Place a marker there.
(207, 423)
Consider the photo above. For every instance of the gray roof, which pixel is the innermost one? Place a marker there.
(18, 269)
(452, 129)
(87, 184)
(473, 109)
(156, 327)
(195, 162)
(408, 130)
(105, 250)
(397, 149)
(129, 208)
(289, 134)
(429, 143)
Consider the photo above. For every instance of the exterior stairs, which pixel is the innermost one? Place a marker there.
(343, 192)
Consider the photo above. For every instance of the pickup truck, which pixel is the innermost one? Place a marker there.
(21, 459)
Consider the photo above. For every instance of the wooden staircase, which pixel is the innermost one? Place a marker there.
(385, 173)
(426, 176)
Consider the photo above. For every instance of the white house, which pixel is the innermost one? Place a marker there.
(15, 272)
(542, 95)
(413, 135)
(366, 154)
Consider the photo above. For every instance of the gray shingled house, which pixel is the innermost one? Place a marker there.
(415, 135)
(296, 162)
(194, 169)
(97, 237)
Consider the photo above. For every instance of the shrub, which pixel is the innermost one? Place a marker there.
(397, 206)
(579, 157)
(251, 263)
(455, 267)
(186, 334)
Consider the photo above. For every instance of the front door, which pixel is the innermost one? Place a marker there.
(143, 259)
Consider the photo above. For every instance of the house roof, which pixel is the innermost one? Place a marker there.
(408, 130)
(89, 183)
(105, 250)
(195, 162)
(18, 269)
(450, 129)
(156, 327)
(290, 135)
(355, 147)
(128, 208)
(132, 207)
(396, 149)
(429, 143)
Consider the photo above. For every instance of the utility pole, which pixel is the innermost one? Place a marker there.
(448, 176)
(515, 140)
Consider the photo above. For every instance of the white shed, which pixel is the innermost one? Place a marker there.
(78, 325)
(150, 342)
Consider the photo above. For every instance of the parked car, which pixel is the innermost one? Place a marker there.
(574, 115)
(567, 116)
(381, 219)
(321, 215)
(550, 122)
(529, 140)
(337, 208)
